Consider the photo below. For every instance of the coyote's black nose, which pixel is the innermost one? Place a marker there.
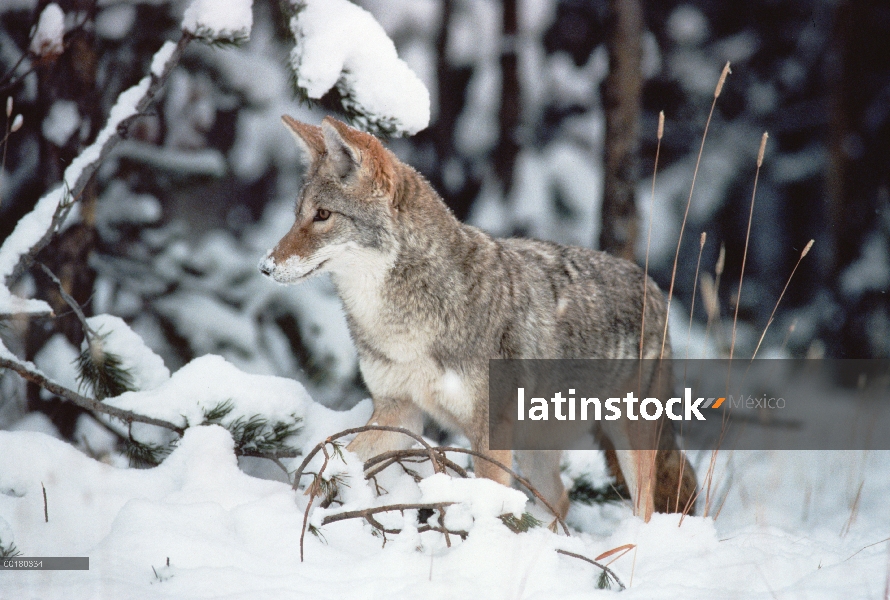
(264, 269)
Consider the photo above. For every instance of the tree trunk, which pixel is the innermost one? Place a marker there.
(508, 146)
(621, 100)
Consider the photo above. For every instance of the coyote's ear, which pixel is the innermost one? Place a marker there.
(350, 150)
(309, 138)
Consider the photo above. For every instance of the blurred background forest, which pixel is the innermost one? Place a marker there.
(169, 232)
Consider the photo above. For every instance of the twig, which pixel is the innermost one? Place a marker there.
(299, 472)
(352, 514)
(45, 504)
(305, 521)
(887, 539)
(394, 455)
(38, 378)
(89, 331)
(368, 515)
(605, 569)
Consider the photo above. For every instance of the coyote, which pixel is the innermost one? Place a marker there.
(429, 300)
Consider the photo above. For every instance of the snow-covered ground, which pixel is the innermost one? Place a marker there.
(790, 525)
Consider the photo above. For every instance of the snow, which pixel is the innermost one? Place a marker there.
(870, 272)
(146, 368)
(687, 25)
(61, 122)
(228, 534)
(13, 305)
(210, 380)
(340, 44)
(484, 497)
(161, 57)
(47, 40)
(115, 22)
(219, 19)
(57, 359)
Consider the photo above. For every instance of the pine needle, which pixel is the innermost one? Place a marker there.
(102, 371)
(521, 524)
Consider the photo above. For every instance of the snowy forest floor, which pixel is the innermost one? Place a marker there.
(790, 525)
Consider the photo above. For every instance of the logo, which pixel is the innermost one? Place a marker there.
(612, 409)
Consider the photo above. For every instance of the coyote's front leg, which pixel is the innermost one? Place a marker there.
(392, 413)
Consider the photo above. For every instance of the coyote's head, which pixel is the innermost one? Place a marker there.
(346, 209)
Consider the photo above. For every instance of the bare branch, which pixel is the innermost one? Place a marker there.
(352, 514)
(392, 456)
(91, 334)
(368, 515)
(329, 439)
(435, 455)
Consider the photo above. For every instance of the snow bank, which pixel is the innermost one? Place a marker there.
(208, 381)
(484, 497)
(196, 526)
(339, 44)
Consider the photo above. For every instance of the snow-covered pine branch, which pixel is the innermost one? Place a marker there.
(343, 55)
(219, 21)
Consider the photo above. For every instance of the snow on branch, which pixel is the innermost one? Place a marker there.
(219, 21)
(47, 39)
(34, 231)
(343, 54)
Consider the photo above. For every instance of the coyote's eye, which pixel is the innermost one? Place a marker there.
(323, 214)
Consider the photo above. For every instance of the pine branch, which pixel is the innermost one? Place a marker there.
(102, 371)
(27, 371)
(585, 492)
(145, 455)
(522, 524)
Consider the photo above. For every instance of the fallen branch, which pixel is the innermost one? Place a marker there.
(431, 452)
